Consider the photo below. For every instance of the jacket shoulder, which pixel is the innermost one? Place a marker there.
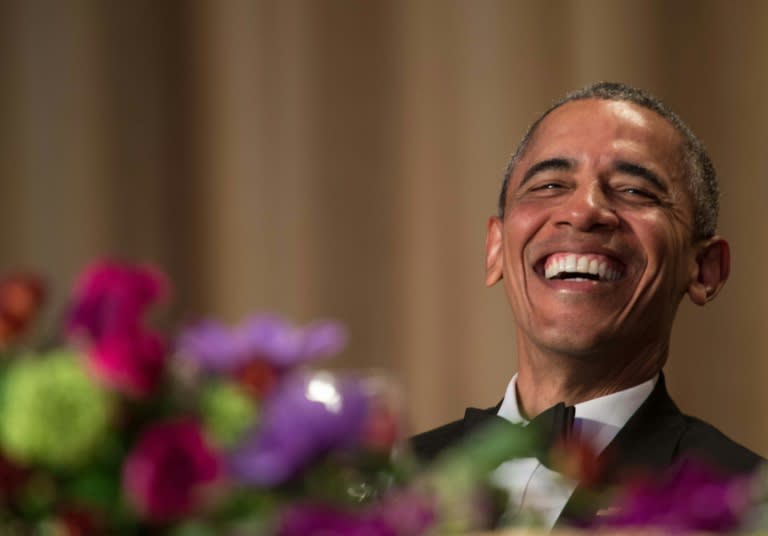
(659, 435)
(703, 441)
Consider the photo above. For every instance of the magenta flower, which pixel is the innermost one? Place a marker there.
(111, 297)
(215, 347)
(300, 520)
(107, 314)
(130, 363)
(690, 497)
(307, 416)
(400, 514)
(410, 512)
(163, 474)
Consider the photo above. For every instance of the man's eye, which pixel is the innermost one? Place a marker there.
(638, 192)
(547, 186)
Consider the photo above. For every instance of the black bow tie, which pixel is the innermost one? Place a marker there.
(550, 427)
(553, 426)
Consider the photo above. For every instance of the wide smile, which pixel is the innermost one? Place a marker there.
(569, 266)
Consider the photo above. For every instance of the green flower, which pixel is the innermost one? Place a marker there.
(227, 413)
(51, 411)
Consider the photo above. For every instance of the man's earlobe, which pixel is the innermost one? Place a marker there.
(714, 265)
(493, 251)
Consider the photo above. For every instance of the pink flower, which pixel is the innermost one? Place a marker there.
(163, 474)
(107, 314)
(689, 497)
(112, 297)
(132, 363)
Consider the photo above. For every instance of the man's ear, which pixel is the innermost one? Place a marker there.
(713, 266)
(493, 251)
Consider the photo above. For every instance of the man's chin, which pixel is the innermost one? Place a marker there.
(579, 341)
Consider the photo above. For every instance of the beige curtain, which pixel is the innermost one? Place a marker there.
(340, 158)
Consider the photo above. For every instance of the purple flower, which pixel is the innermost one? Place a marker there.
(308, 415)
(215, 347)
(690, 497)
(163, 473)
(112, 297)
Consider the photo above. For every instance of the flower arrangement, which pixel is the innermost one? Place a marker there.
(119, 428)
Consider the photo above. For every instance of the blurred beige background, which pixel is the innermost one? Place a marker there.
(327, 158)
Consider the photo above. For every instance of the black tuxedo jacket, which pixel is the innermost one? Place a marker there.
(654, 438)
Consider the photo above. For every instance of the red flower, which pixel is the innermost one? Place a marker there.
(78, 521)
(258, 377)
(20, 299)
(381, 429)
(13, 477)
(577, 460)
(163, 474)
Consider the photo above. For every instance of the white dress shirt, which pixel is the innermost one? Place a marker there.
(536, 491)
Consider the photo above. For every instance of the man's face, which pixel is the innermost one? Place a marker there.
(596, 248)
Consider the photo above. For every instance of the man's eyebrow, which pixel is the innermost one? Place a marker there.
(546, 165)
(642, 172)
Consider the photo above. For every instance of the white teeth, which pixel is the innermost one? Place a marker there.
(551, 270)
(579, 264)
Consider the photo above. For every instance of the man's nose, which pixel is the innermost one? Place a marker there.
(588, 208)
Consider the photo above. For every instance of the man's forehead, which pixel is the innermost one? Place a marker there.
(598, 123)
(606, 115)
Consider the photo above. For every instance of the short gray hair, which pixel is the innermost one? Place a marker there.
(702, 179)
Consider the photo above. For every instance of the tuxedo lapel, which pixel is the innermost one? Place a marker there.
(649, 439)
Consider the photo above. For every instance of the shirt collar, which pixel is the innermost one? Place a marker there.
(597, 420)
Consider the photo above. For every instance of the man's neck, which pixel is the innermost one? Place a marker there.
(547, 378)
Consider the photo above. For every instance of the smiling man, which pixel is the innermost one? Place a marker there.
(607, 220)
